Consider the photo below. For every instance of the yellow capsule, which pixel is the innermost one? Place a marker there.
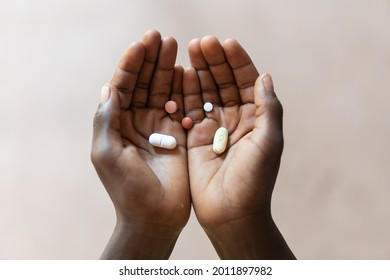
(220, 140)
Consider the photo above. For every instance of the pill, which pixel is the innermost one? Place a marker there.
(208, 107)
(220, 140)
(162, 141)
(171, 107)
(187, 122)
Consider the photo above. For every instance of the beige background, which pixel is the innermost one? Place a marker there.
(330, 61)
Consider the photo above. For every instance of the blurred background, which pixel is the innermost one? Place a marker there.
(330, 61)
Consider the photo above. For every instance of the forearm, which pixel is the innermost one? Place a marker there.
(250, 238)
(140, 241)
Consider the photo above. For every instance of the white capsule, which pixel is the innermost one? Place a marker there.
(220, 140)
(208, 107)
(162, 141)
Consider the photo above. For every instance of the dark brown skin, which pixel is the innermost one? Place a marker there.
(151, 188)
(231, 193)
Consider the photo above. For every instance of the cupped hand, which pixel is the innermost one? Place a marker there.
(238, 182)
(149, 186)
(231, 192)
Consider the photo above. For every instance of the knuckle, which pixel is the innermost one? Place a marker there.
(102, 153)
(98, 118)
(98, 155)
(275, 109)
(276, 106)
(279, 140)
(95, 157)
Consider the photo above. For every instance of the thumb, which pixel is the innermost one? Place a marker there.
(106, 142)
(268, 130)
(266, 100)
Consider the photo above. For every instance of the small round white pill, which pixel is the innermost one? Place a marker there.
(208, 107)
(162, 141)
(220, 140)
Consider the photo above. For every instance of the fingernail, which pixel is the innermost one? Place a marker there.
(267, 82)
(104, 93)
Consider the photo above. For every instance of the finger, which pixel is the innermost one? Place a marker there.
(162, 77)
(208, 87)
(151, 41)
(107, 143)
(269, 114)
(126, 74)
(192, 95)
(245, 72)
(177, 93)
(221, 71)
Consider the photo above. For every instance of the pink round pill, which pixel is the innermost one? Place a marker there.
(171, 107)
(187, 122)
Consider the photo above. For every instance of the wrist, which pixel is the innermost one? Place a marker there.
(249, 237)
(141, 240)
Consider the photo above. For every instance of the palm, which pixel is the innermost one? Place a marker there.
(153, 175)
(225, 185)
